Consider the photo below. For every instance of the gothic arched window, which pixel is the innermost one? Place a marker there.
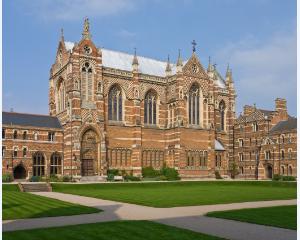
(222, 115)
(115, 104)
(38, 164)
(150, 108)
(87, 82)
(194, 107)
(55, 164)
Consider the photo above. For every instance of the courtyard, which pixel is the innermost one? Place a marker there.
(172, 210)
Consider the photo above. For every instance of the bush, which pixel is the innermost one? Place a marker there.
(162, 178)
(288, 178)
(7, 177)
(233, 170)
(66, 178)
(35, 179)
(170, 173)
(217, 174)
(115, 172)
(150, 172)
(131, 178)
(276, 177)
(110, 177)
(54, 178)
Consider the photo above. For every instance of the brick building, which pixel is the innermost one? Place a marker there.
(265, 142)
(123, 111)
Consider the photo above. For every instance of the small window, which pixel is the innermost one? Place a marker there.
(241, 128)
(241, 156)
(267, 155)
(24, 152)
(282, 170)
(50, 136)
(255, 127)
(35, 136)
(3, 133)
(24, 135)
(282, 154)
(282, 138)
(15, 134)
(241, 142)
(290, 153)
(3, 151)
(15, 152)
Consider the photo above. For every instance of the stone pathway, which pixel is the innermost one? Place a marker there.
(184, 217)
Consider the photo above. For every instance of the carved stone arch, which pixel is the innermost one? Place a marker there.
(152, 90)
(94, 127)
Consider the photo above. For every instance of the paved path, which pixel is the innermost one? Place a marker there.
(184, 217)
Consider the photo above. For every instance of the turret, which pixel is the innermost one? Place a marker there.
(210, 69)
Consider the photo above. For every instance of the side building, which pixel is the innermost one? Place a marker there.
(32, 145)
(265, 142)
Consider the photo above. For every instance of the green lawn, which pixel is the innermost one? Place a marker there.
(172, 194)
(119, 230)
(16, 205)
(283, 216)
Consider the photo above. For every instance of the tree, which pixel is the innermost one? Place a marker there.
(233, 170)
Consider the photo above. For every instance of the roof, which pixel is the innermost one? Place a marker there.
(219, 79)
(30, 120)
(123, 61)
(219, 146)
(267, 113)
(287, 125)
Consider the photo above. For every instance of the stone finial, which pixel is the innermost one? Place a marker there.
(168, 67)
(179, 63)
(135, 61)
(62, 35)
(194, 45)
(86, 29)
(210, 66)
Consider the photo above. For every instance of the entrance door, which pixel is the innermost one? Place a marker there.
(89, 153)
(19, 172)
(87, 167)
(269, 172)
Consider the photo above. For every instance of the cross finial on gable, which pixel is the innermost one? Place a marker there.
(86, 29)
(194, 45)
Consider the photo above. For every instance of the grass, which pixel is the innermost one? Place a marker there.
(174, 194)
(119, 230)
(282, 216)
(16, 205)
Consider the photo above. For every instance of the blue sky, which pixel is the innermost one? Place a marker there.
(256, 37)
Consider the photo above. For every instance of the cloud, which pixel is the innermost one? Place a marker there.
(77, 9)
(263, 70)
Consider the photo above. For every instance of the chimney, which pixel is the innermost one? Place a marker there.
(280, 105)
(248, 110)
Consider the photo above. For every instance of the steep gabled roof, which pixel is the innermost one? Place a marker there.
(123, 61)
(287, 125)
(30, 120)
(219, 79)
(219, 146)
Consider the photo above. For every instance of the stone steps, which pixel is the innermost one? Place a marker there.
(35, 187)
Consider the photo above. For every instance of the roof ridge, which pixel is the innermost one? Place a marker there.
(33, 114)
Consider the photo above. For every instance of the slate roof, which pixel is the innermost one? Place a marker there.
(287, 125)
(30, 120)
(219, 79)
(123, 61)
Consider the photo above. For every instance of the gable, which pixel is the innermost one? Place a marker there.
(193, 67)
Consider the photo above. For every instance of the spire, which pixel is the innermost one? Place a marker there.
(168, 67)
(179, 63)
(135, 61)
(210, 66)
(228, 74)
(86, 29)
(62, 35)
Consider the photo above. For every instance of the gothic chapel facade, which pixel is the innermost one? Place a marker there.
(122, 111)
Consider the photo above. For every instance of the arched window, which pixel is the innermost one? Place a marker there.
(87, 82)
(194, 107)
(61, 101)
(55, 164)
(15, 134)
(15, 152)
(282, 170)
(290, 153)
(24, 135)
(38, 166)
(222, 115)
(282, 154)
(115, 104)
(35, 136)
(24, 152)
(290, 171)
(150, 108)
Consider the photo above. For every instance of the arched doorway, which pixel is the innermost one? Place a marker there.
(269, 171)
(19, 172)
(89, 153)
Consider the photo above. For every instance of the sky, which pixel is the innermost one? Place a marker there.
(257, 38)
